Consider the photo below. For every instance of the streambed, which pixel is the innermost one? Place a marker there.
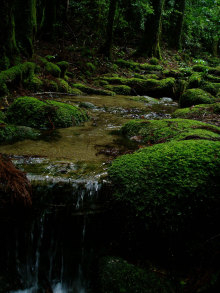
(55, 250)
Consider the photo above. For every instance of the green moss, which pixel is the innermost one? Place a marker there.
(209, 87)
(170, 184)
(92, 91)
(154, 61)
(63, 65)
(118, 276)
(157, 131)
(150, 67)
(197, 111)
(51, 85)
(195, 97)
(146, 87)
(34, 84)
(213, 78)
(50, 57)
(52, 69)
(64, 87)
(90, 66)
(207, 69)
(14, 75)
(195, 80)
(10, 133)
(138, 66)
(28, 111)
(119, 89)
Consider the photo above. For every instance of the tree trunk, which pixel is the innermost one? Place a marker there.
(50, 18)
(26, 25)
(150, 44)
(177, 24)
(107, 47)
(8, 47)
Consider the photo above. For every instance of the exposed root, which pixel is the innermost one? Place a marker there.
(14, 182)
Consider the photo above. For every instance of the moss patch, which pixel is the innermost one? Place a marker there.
(157, 131)
(63, 65)
(118, 276)
(10, 133)
(92, 91)
(195, 97)
(119, 89)
(197, 111)
(28, 111)
(169, 184)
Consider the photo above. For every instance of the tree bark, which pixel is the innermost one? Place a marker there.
(107, 47)
(150, 43)
(8, 46)
(26, 25)
(177, 24)
(50, 18)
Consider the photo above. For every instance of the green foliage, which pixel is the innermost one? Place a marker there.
(157, 131)
(195, 97)
(118, 276)
(28, 111)
(170, 184)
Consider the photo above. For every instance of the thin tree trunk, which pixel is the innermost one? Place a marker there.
(8, 46)
(107, 47)
(150, 44)
(50, 18)
(177, 24)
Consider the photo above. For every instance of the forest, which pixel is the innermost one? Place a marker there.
(109, 146)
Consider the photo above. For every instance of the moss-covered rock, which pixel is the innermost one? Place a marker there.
(195, 80)
(11, 133)
(146, 87)
(34, 84)
(63, 65)
(118, 276)
(92, 91)
(119, 89)
(194, 97)
(28, 111)
(64, 87)
(157, 131)
(51, 85)
(51, 68)
(15, 75)
(207, 69)
(212, 88)
(135, 66)
(170, 185)
(213, 78)
(197, 111)
(154, 61)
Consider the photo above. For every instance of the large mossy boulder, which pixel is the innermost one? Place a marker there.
(28, 111)
(158, 131)
(194, 96)
(171, 186)
(117, 276)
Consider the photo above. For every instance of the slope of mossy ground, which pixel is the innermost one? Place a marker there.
(157, 131)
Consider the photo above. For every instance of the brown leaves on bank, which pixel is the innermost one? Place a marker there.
(14, 182)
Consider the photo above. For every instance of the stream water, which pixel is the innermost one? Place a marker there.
(55, 251)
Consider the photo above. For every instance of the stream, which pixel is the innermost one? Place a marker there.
(56, 247)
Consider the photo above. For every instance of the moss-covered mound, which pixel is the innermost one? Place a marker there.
(154, 87)
(92, 91)
(197, 111)
(157, 131)
(117, 276)
(169, 184)
(195, 97)
(119, 89)
(14, 75)
(28, 111)
(138, 66)
(11, 133)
